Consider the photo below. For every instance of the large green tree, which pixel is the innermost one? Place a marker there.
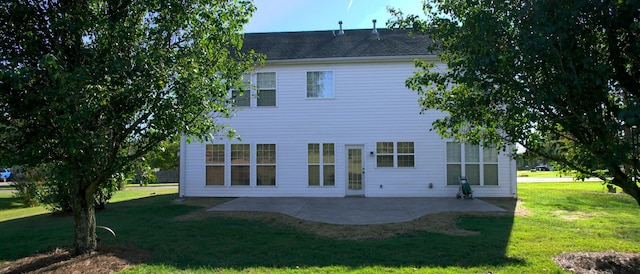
(536, 72)
(91, 86)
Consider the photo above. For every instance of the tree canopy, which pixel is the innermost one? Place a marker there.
(538, 72)
(91, 86)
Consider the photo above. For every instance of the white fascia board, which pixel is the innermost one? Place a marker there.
(369, 59)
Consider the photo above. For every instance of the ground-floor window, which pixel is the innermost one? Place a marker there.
(321, 164)
(215, 164)
(240, 164)
(266, 164)
(398, 154)
(478, 164)
(235, 165)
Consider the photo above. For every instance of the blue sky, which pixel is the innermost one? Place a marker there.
(309, 15)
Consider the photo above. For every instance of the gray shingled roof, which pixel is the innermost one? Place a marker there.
(327, 44)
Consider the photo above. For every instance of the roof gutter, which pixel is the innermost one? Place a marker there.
(367, 59)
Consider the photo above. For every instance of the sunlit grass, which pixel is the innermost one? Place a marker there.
(542, 174)
(553, 218)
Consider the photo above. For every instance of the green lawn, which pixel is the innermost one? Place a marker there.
(553, 218)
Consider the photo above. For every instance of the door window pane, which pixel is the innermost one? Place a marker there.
(355, 169)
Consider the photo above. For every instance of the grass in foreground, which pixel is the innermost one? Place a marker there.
(553, 218)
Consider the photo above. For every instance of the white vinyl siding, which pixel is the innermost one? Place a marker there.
(371, 105)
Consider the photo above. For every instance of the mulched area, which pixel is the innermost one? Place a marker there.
(106, 259)
(599, 262)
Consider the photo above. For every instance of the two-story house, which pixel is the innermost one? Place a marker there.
(333, 118)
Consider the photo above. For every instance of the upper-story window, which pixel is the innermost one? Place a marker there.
(242, 96)
(266, 85)
(320, 84)
(258, 90)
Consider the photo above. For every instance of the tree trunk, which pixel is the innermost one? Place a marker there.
(630, 187)
(84, 216)
(627, 183)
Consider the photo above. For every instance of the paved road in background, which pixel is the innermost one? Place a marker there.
(553, 179)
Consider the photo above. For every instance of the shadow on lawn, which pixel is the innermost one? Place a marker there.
(222, 242)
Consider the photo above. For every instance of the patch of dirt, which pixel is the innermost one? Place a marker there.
(599, 262)
(571, 215)
(106, 259)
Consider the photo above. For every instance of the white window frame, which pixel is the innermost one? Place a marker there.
(395, 154)
(322, 164)
(274, 164)
(253, 165)
(251, 89)
(245, 90)
(333, 85)
(258, 89)
(223, 165)
(464, 162)
(231, 164)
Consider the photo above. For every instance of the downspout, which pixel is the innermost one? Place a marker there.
(182, 184)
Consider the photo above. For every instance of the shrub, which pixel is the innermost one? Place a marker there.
(39, 186)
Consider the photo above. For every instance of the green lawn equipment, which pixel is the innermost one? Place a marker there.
(465, 189)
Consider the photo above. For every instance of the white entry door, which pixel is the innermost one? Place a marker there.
(355, 170)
